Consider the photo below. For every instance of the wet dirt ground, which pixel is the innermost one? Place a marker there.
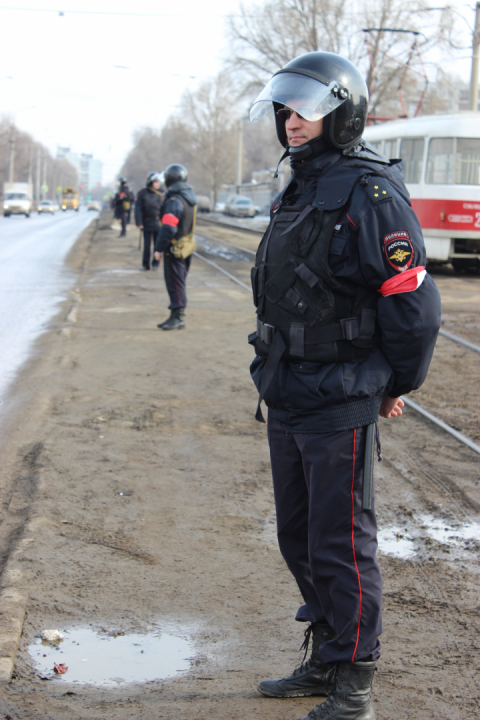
(137, 499)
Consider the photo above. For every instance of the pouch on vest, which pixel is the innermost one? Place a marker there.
(125, 205)
(186, 245)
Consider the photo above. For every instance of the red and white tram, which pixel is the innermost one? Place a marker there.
(441, 158)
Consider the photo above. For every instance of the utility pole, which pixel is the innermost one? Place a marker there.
(11, 170)
(44, 176)
(30, 165)
(474, 73)
(37, 177)
(239, 153)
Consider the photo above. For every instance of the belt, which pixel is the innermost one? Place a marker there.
(346, 329)
(297, 336)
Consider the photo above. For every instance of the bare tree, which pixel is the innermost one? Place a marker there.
(387, 39)
(260, 146)
(202, 136)
(28, 153)
(208, 118)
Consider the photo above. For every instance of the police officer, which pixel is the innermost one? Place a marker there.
(347, 319)
(147, 215)
(177, 216)
(123, 203)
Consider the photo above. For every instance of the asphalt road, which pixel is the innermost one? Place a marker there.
(33, 280)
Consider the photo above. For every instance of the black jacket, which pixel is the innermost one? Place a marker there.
(178, 196)
(147, 208)
(375, 227)
(124, 195)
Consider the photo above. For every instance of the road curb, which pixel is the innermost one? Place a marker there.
(13, 606)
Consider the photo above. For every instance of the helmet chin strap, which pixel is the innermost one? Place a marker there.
(308, 150)
(304, 152)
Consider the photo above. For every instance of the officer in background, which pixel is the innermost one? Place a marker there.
(347, 319)
(147, 216)
(178, 219)
(123, 203)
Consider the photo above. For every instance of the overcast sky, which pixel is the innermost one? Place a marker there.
(93, 78)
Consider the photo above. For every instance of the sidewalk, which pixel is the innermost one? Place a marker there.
(149, 495)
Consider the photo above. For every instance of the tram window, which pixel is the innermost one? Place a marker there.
(467, 166)
(440, 161)
(391, 148)
(411, 152)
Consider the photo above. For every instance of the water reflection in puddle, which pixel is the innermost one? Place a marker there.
(458, 534)
(426, 534)
(223, 252)
(108, 660)
(392, 541)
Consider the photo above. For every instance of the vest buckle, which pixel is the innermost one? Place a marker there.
(350, 328)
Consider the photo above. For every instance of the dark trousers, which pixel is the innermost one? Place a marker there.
(149, 237)
(329, 543)
(175, 271)
(123, 219)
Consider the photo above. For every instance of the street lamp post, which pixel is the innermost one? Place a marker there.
(37, 177)
(239, 154)
(11, 169)
(474, 72)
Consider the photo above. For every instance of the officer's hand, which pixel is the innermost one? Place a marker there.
(158, 256)
(140, 227)
(391, 407)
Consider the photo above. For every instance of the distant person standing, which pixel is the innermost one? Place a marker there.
(122, 203)
(147, 216)
(175, 240)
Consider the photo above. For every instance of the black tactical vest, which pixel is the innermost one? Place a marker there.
(186, 221)
(322, 318)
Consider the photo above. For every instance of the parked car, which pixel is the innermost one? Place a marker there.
(46, 206)
(239, 206)
(204, 203)
(93, 205)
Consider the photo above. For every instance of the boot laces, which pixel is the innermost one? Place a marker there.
(323, 711)
(306, 641)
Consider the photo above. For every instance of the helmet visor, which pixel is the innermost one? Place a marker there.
(310, 98)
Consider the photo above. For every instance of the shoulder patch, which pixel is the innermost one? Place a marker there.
(377, 190)
(399, 250)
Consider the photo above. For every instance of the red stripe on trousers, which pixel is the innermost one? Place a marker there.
(353, 546)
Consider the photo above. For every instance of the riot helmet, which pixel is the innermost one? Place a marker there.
(122, 181)
(153, 177)
(318, 85)
(174, 173)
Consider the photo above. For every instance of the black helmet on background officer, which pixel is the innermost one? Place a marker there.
(318, 85)
(174, 173)
(153, 177)
(122, 181)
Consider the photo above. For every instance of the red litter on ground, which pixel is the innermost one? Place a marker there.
(60, 669)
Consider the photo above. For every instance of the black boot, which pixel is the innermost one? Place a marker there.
(176, 320)
(350, 697)
(170, 317)
(312, 677)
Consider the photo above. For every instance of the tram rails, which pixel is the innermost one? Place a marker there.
(453, 356)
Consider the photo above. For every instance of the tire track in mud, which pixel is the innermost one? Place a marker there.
(19, 500)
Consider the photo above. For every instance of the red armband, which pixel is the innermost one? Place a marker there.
(170, 219)
(405, 282)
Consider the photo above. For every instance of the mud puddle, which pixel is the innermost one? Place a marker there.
(426, 535)
(111, 659)
(222, 251)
